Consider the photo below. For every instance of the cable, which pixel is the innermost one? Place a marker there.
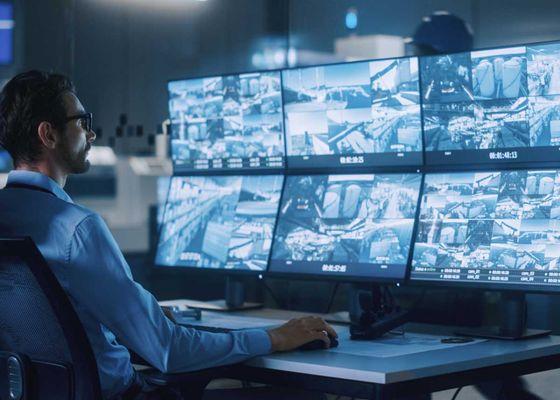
(456, 393)
(269, 290)
(333, 295)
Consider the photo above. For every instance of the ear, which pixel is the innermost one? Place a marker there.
(47, 134)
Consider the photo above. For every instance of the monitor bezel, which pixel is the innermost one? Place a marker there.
(481, 285)
(435, 167)
(223, 271)
(346, 278)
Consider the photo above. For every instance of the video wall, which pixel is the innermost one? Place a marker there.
(437, 165)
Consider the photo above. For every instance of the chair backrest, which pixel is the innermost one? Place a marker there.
(38, 321)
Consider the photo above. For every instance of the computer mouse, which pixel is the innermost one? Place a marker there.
(318, 344)
(457, 340)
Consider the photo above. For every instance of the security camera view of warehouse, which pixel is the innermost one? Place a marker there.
(219, 222)
(492, 106)
(346, 115)
(229, 122)
(446, 78)
(500, 73)
(493, 227)
(348, 225)
(543, 69)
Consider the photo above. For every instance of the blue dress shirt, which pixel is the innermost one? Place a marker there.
(117, 313)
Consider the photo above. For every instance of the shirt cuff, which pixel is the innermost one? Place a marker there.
(258, 342)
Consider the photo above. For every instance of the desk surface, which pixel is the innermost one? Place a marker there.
(417, 355)
(336, 363)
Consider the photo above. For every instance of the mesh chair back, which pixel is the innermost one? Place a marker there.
(38, 320)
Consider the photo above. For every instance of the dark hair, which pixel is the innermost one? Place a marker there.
(27, 100)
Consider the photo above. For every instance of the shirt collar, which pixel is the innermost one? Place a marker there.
(39, 180)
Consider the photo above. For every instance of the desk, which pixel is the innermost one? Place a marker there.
(353, 370)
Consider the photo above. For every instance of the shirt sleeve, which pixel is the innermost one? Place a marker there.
(103, 284)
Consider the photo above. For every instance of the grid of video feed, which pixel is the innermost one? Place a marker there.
(227, 122)
(492, 106)
(347, 115)
(346, 225)
(223, 222)
(500, 227)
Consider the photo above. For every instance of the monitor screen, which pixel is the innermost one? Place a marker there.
(492, 106)
(223, 222)
(499, 227)
(356, 114)
(6, 33)
(227, 122)
(161, 195)
(349, 226)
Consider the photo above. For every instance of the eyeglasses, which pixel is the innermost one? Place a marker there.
(86, 120)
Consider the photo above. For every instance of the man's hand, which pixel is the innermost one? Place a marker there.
(299, 331)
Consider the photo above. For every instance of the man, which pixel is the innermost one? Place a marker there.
(48, 133)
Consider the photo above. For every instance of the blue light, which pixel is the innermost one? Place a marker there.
(352, 19)
(6, 33)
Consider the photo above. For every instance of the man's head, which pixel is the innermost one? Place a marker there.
(440, 33)
(43, 121)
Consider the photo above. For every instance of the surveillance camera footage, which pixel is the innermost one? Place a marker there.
(496, 106)
(227, 122)
(446, 78)
(356, 114)
(350, 225)
(494, 227)
(500, 73)
(219, 222)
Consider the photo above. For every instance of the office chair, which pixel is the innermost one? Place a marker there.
(44, 350)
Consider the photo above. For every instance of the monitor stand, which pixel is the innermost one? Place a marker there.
(513, 324)
(373, 312)
(234, 299)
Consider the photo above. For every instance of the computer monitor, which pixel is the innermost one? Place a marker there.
(219, 222)
(498, 229)
(348, 227)
(230, 122)
(495, 230)
(7, 25)
(362, 114)
(498, 106)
